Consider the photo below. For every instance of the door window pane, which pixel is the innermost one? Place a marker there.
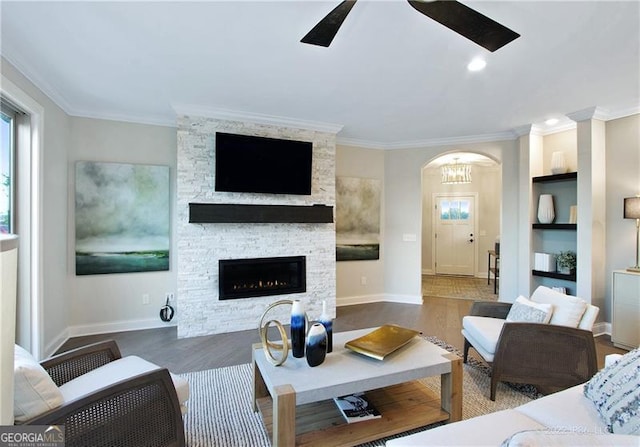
(444, 210)
(455, 210)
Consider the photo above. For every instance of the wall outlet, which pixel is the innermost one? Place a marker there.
(145, 298)
(169, 297)
(363, 280)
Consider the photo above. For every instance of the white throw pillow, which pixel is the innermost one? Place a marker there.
(34, 390)
(524, 310)
(567, 309)
(615, 391)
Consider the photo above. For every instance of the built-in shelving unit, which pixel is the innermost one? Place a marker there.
(552, 226)
(560, 235)
(555, 275)
(555, 177)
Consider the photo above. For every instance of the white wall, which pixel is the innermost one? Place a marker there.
(403, 214)
(623, 180)
(53, 284)
(363, 163)
(113, 302)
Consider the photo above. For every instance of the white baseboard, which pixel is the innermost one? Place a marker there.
(406, 299)
(477, 275)
(55, 344)
(364, 299)
(102, 328)
(601, 328)
(359, 299)
(118, 326)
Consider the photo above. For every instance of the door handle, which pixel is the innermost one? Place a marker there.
(470, 240)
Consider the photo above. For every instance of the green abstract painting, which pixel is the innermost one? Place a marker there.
(121, 218)
(357, 219)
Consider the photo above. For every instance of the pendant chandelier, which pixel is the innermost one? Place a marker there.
(456, 173)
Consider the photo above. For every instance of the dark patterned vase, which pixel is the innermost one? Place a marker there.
(298, 329)
(327, 322)
(316, 344)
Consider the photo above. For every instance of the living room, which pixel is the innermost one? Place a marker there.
(606, 150)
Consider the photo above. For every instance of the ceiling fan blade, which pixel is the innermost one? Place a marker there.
(467, 22)
(323, 33)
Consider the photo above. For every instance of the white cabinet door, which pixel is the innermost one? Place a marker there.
(625, 330)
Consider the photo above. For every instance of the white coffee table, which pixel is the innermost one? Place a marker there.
(296, 401)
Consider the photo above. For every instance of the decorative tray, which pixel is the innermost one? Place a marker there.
(381, 342)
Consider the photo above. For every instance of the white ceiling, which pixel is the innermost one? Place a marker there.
(392, 77)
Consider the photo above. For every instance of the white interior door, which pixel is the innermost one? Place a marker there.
(454, 238)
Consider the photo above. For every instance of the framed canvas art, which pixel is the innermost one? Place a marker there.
(121, 218)
(357, 219)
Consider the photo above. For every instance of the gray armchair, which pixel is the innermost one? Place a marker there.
(549, 356)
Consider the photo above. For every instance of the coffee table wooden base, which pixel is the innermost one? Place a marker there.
(404, 406)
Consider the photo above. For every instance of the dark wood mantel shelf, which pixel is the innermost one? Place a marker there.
(234, 213)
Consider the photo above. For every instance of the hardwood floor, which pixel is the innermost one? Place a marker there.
(441, 317)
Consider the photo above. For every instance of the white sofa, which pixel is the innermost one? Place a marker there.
(566, 418)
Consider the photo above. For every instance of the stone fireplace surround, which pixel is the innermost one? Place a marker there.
(202, 245)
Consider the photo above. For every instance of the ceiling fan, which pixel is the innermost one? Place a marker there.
(454, 15)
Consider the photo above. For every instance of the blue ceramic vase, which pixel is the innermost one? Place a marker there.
(327, 322)
(316, 348)
(298, 329)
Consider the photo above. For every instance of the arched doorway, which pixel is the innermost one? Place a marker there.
(460, 219)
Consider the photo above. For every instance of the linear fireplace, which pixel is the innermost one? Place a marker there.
(244, 278)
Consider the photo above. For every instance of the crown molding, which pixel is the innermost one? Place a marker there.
(256, 118)
(126, 118)
(523, 130)
(39, 82)
(355, 142)
(595, 112)
(558, 128)
(435, 142)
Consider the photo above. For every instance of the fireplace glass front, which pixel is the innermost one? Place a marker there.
(245, 278)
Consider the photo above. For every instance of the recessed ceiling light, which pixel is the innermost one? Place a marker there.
(476, 65)
(551, 121)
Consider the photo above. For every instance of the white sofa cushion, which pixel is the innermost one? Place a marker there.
(483, 333)
(567, 309)
(488, 430)
(526, 311)
(116, 371)
(553, 438)
(615, 392)
(34, 390)
(568, 410)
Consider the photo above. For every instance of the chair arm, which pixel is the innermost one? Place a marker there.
(141, 410)
(549, 356)
(492, 309)
(76, 362)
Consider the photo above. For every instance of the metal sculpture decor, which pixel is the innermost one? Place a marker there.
(269, 346)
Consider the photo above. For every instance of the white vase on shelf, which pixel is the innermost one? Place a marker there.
(558, 163)
(546, 213)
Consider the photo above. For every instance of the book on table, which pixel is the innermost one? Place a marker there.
(356, 407)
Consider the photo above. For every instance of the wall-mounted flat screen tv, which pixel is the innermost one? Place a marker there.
(262, 165)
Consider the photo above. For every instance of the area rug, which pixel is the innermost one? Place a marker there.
(221, 413)
(458, 287)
